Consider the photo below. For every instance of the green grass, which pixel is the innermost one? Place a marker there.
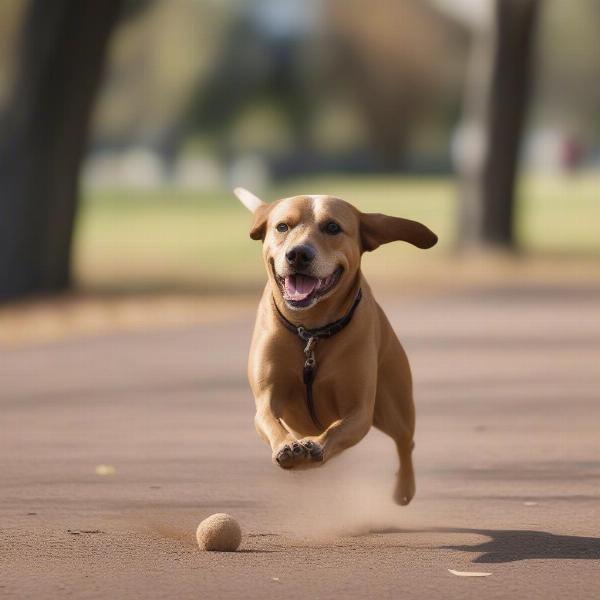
(132, 239)
(560, 214)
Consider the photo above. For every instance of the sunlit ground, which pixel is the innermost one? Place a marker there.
(170, 258)
(158, 239)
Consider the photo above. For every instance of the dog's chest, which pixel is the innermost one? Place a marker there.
(324, 400)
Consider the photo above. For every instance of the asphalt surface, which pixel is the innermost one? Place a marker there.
(507, 461)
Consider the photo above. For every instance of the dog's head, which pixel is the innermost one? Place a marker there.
(312, 244)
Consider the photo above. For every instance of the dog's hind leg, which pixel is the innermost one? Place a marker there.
(405, 480)
(395, 416)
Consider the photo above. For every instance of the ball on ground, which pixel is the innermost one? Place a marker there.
(219, 532)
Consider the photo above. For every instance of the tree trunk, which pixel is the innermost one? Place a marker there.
(43, 134)
(495, 113)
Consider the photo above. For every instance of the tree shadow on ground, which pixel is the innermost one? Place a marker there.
(513, 545)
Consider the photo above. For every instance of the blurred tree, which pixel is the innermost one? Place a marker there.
(398, 60)
(567, 85)
(43, 133)
(265, 58)
(495, 107)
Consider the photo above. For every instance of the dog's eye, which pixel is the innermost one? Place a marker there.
(282, 227)
(332, 228)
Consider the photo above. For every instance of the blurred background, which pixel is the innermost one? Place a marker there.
(124, 124)
(129, 285)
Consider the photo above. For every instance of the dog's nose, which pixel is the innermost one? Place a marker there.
(300, 257)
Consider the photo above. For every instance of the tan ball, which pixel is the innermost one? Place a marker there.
(219, 532)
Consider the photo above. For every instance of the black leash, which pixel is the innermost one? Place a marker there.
(310, 336)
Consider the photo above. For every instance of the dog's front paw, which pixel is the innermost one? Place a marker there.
(283, 456)
(290, 454)
(298, 453)
(314, 450)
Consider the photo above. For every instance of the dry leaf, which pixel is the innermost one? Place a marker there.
(105, 470)
(468, 573)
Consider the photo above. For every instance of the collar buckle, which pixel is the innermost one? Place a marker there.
(303, 334)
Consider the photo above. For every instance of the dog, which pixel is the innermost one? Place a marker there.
(325, 364)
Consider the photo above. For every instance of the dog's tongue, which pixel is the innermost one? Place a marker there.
(299, 287)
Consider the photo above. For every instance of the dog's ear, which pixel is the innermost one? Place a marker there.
(258, 208)
(377, 229)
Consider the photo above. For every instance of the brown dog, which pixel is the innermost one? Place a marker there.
(325, 364)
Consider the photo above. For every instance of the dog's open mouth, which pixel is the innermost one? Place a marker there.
(300, 290)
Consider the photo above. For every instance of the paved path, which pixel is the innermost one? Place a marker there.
(508, 465)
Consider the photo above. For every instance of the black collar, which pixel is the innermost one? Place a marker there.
(320, 332)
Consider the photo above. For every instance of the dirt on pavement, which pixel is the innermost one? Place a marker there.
(507, 459)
